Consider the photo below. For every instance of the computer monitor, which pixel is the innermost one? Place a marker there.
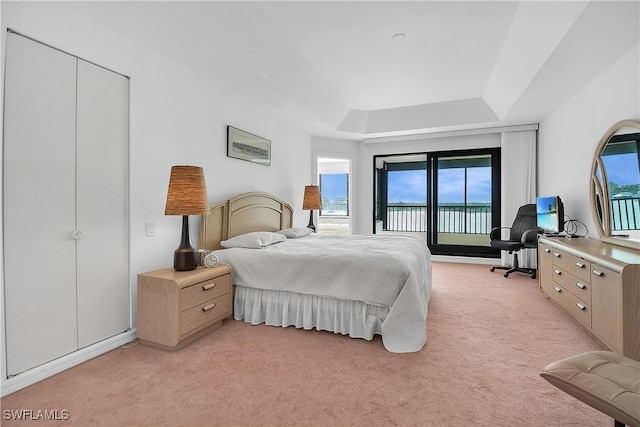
(550, 214)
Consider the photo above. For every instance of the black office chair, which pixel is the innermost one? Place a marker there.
(523, 235)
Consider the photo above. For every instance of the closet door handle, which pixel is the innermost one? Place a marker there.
(581, 286)
(209, 286)
(579, 265)
(581, 306)
(597, 273)
(208, 307)
(78, 234)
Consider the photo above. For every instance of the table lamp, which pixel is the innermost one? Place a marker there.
(311, 201)
(187, 195)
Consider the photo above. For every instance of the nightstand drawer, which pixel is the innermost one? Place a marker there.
(578, 287)
(205, 313)
(204, 291)
(572, 264)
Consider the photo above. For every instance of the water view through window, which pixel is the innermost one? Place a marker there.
(449, 197)
(334, 191)
(464, 195)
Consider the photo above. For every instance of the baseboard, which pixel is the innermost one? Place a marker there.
(465, 259)
(32, 376)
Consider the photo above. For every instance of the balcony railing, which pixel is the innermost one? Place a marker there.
(406, 218)
(338, 207)
(625, 213)
(452, 218)
(476, 219)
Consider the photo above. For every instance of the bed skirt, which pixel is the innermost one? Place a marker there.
(281, 308)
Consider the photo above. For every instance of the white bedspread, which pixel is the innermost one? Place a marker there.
(392, 271)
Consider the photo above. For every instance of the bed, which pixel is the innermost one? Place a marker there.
(354, 285)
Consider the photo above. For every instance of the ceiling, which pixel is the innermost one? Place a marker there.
(336, 67)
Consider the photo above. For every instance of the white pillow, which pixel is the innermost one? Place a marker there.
(253, 240)
(293, 233)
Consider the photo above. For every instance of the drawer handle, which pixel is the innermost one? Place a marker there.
(209, 307)
(547, 250)
(579, 265)
(597, 273)
(581, 286)
(558, 272)
(209, 286)
(581, 306)
(556, 254)
(557, 289)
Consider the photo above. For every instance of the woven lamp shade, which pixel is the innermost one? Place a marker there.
(311, 198)
(187, 194)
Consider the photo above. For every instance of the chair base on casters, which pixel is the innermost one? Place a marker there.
(530, 271)
(516, 268)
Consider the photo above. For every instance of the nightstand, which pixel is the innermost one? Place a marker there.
(177, 307)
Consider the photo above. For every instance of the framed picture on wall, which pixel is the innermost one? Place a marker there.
(246, 146)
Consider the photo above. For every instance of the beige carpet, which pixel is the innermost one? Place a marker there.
(488, 339)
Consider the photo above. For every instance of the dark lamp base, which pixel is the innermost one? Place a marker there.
(184, 259)
(310, 225)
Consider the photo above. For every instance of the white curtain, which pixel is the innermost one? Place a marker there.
(518, 181)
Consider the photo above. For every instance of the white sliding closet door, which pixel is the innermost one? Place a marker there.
(39, 203)
(102, 208)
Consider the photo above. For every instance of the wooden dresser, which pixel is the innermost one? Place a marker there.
(176, 307)
(598, 284)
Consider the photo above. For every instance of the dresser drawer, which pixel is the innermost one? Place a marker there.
(205, 313)
(204, 291)
(578, 287)
(572, 305)
(572, 264)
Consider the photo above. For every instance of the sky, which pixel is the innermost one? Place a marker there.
(334, 185)
(411, 186)
(622, 168)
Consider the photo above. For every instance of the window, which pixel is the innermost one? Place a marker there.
(334, 192)
(464, 199)
(451, 199)
(334, 178)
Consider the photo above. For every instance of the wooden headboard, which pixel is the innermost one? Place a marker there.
(247, 212)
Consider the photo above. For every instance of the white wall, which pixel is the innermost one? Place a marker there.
(176, 117)
(568, 138)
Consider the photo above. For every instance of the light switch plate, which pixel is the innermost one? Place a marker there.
(151, 228)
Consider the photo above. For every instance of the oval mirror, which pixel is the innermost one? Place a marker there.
(615, 185)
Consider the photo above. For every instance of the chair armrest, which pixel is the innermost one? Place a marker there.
(529, 236)
(494, 234)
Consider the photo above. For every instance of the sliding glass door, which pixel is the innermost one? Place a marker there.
(451, 199)
(466, 192)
